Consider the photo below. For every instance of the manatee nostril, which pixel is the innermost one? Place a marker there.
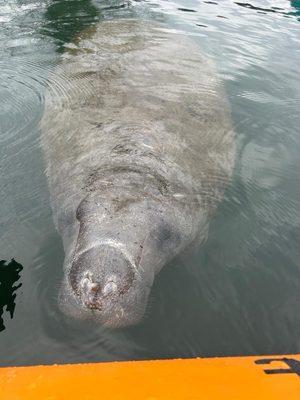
(109, 288)
(90, 293)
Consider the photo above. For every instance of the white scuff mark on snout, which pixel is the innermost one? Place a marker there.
(120, 313)
(88, 285)
(89, 291)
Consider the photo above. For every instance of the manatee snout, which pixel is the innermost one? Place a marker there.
(107, 286)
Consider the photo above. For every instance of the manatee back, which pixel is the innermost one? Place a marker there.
(136, 95)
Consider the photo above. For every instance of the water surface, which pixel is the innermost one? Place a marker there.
(240, 293)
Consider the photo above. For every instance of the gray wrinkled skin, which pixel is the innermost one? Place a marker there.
(139, 146)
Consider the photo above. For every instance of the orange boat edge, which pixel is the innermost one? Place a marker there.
(226, 378)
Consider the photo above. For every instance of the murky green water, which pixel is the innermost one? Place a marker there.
(240, 294)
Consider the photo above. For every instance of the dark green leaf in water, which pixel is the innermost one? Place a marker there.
(9, 275)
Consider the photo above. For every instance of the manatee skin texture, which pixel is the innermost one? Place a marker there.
(138, 146)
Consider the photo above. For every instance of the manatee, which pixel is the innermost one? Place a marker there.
(139, 146)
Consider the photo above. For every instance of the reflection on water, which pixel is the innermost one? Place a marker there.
(257, 8)
(9, 275)
(239, 293)
(273, 9)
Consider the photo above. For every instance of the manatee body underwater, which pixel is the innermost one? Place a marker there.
(139, 147)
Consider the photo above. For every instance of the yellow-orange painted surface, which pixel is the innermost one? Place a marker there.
(206, 379)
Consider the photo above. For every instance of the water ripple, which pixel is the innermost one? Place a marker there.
(247, 274)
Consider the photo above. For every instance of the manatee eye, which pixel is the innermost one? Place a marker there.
(164, 232)
(167, 236)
